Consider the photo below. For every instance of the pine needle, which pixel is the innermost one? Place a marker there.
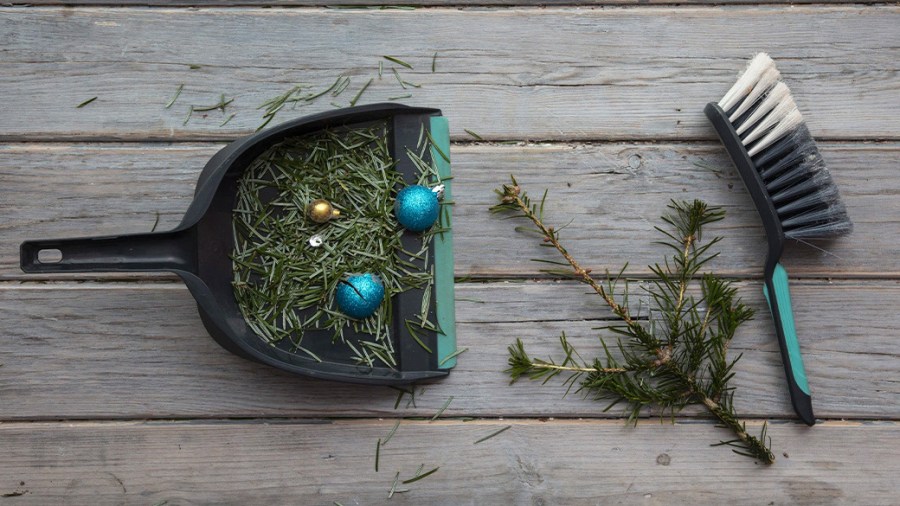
(220, 105)
(492, 434)
(359, 94)
(155, 223)
(86, 102)
(399, 396)
(391, 433)
(398, 61)
(377, 454)
(418, 477)
(188, 117)
(443, 408)
(453, 355)
(177, 94)
(394, 489)
(340, 85)
(473, 134)
(399, 79)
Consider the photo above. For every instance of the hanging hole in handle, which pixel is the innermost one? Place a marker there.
(49, 256)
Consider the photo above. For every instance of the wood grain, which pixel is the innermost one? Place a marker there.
(129, 350)
(614, 194)
(555, 73)
(554, 462)
(620, 93)
(406, 4)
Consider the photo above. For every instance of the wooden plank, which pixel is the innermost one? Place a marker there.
(614, 194)
(404, 4)
(126, 350)
(555, 462)
(579, 73)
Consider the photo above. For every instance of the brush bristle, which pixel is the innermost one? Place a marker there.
(767, 120)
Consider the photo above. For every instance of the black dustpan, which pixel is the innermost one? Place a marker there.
(198, 251)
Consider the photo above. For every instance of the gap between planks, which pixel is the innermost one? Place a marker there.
(387, 421)
(415, 4)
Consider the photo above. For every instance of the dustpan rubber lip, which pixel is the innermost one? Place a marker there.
(211, 312)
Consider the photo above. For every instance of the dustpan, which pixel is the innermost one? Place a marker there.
(198, 250)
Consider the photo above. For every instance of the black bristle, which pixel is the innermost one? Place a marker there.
(804, 169)
(823, 221)
(818, 197)
(800, 188)
(804, 195)
(786, 196)
(790, 160)
(777, 151)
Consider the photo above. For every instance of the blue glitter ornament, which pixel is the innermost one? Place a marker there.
(359, 295)
(416, 208)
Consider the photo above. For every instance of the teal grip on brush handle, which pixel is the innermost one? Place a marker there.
(779, 300)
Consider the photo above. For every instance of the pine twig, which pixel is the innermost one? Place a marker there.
(511, 195)
(678, 362)
(512, 198)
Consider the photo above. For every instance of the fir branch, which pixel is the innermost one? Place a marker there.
(676, 359)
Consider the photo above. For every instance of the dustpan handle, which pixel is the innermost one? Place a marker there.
(161, 251)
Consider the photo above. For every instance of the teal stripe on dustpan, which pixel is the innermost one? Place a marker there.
(443, 249)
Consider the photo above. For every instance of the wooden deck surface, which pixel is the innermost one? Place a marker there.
(111, 392)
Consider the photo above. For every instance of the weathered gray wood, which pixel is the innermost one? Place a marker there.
(613, 192)
(127, 350)
(401, 4)
(560, 73)
(554, 462)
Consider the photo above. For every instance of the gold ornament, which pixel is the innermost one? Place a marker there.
(320, 211)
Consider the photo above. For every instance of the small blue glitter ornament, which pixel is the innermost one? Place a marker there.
(416, 208)
(359, 295)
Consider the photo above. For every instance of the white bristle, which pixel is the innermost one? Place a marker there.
(781, 111)
(775, 96)
(745, 83)
(790, 122)
(766, 81)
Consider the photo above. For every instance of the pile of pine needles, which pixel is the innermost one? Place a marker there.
(283, 285)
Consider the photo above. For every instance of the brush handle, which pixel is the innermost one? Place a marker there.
(778, 295)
